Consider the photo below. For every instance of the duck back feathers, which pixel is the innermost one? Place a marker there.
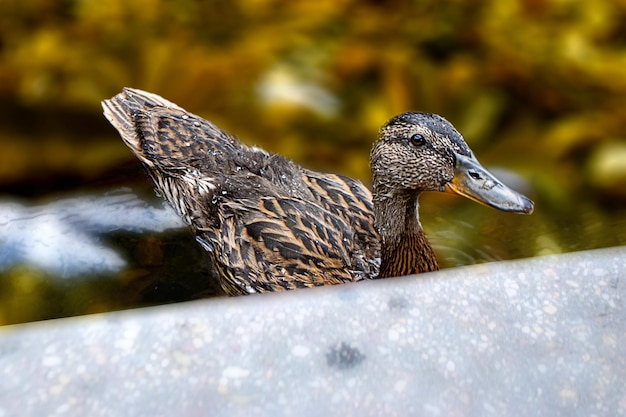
(266, 223)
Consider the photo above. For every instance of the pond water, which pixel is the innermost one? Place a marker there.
(313, 81)
(110, 249)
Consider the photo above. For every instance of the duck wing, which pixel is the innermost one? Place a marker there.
(266, 223)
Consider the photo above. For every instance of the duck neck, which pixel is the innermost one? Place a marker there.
(405, 249)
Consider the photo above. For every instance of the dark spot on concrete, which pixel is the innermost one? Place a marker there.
(344, 356)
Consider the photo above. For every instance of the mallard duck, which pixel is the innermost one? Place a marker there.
(268, 224)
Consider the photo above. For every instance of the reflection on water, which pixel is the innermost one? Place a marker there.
(63, 237)
(95, 253)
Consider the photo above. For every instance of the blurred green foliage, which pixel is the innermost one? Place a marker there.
(536, 86)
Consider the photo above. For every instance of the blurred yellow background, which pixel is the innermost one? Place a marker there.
(537, 87)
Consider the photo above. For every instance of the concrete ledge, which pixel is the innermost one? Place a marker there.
(544, 336)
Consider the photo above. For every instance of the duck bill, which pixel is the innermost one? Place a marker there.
(473, 181)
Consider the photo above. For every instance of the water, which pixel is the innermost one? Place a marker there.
(84, 254)
(109, 250)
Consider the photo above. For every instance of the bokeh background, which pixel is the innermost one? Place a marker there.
(537, 87)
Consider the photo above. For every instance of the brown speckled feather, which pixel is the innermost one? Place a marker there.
(266, 223)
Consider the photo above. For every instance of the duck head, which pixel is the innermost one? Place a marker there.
(423, 152)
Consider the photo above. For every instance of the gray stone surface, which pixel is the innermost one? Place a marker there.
(538, 337)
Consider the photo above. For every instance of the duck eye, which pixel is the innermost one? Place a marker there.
(417, 140)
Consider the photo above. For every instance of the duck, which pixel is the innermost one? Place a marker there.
(267, 224)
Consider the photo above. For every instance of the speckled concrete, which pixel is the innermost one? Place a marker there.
(542, 337)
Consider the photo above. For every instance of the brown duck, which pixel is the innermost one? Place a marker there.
(268, 224)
